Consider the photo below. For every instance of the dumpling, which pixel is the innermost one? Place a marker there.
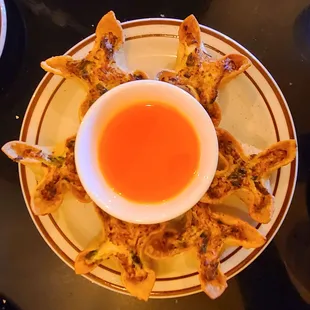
(244, 175)
(199, 74)
(126, 242)
(98, 71)
(59, 173)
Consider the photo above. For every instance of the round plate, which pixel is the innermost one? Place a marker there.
(3, 25)
(254, 111)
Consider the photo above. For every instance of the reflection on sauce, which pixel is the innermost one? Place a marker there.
(149, 152)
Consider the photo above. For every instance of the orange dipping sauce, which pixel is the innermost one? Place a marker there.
(149, 152)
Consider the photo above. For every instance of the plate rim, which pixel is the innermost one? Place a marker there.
(285, 110)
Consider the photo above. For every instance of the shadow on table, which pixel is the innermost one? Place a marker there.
(71, 12)
(175, 9)
(297, 258)
(304, 165)
(14, 48)
(7, 304)
(301, 32)
(266, 285)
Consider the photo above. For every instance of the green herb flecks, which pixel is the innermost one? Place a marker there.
(204, 243)
(90, 255)
(101, 89)
(136, 259)
(236, 178)
(56, 160)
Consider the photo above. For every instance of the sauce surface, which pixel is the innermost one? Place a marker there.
(149, 152)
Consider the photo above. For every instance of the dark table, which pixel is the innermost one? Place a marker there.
(277, 32)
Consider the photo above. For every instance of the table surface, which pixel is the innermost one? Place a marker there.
(277, 32)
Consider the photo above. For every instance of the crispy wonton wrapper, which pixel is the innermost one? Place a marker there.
(59, 173)
(97, 71)
(244, 175)
(199, 74)
(207, 232)
(125, 242)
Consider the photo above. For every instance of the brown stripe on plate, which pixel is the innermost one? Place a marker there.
(74, 246)
(70, 242)
(234, 252)
(32, 105)
(46, 107)
(70, 262)
(267, 77)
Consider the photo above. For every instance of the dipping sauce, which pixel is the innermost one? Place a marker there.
(149, 152)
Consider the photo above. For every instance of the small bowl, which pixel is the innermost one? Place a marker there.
(87, 144)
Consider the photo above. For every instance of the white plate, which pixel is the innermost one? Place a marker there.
(254, 111)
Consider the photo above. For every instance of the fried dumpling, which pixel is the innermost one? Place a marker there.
(125, 242)
(244, 175)
(196, 70)
(173, 240)
(98, 71)
(207, 232)
(59, 173)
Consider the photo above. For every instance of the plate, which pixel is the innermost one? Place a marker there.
(253, 110)
(3, 25)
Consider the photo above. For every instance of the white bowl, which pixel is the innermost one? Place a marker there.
(87, 143)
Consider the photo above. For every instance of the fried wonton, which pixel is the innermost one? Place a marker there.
(59, 170)
(98, 71)
(126, 242)
(207, 232)
(244, 175)
(199, 74)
